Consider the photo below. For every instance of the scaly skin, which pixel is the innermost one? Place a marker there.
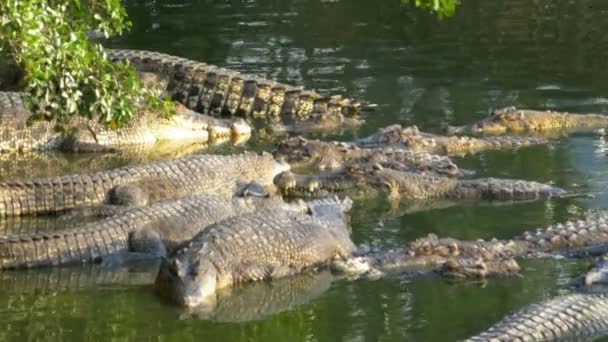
(412, 139)
(151, 231)
(574, 316)
(212, 90)
(21, 131)
(139, 185)
(512, 120)
(268, 244)
(336, 156)
(572, 238)
(407, 185)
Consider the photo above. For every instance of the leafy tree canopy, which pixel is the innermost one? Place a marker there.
(66, 74)
(443, 8)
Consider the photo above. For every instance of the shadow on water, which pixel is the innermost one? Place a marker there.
(490, 54)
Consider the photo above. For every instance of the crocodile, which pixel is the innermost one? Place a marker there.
(140, 184)
(335, 156)
(577, 238)
(267, 244)
(22, 131)
(140, 232)
(525, 121)
(412, 138)
(574, 316)
(581, 315)
(218, 91)
(413, 186)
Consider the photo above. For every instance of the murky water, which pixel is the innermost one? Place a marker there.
(540, 53)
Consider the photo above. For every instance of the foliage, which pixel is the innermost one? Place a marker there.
(443, 8)
(65, 74)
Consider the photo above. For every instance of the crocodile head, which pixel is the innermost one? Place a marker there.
(318, 122)
(312, 186)
(320, 155)
(465, 268)
(507, 120)
(187, 284)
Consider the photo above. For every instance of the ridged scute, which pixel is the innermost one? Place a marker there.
(213, 90)
(266, 244)
(172, 222)
(197, 174)
(570, 316)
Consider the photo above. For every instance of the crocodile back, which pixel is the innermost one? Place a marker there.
(572, 316)
(15, 132)
(266, 244)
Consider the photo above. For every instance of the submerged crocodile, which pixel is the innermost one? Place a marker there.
(141, 232)
(139, 185)
(217, 91)
(572, 238)
(21, 132)
(408, 185)
(335, 156)
(267, 244)
(512, 120)
(412, 139)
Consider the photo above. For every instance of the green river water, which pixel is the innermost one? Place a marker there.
(539, 53)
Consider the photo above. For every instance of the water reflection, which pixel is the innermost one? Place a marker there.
(256, 301)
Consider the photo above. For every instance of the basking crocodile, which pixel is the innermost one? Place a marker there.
(139, 185)
(267, 244)
(407, 185)
(512, 120)
(20, 132)
(212, 90)
(411, 138)
(335, 156)
(140, 232)
(572, 238)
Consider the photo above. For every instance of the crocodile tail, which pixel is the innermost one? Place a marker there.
(59, 248)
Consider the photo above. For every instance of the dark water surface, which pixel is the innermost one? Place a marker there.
(540, 54)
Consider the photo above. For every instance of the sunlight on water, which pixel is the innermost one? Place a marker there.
(419, 71)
